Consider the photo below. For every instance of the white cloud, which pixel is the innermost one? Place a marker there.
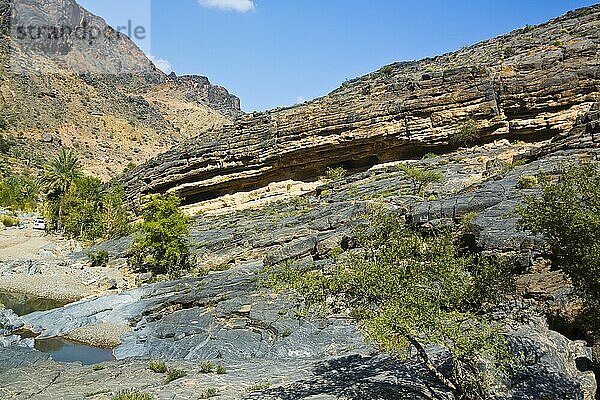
(229, 5)
(162, 64)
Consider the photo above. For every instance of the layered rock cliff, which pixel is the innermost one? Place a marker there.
(104, 98)
(530, 84)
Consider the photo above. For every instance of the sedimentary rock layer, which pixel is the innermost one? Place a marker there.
(530, 84)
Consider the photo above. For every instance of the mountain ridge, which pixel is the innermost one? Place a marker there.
(95, 98)
(530, 84)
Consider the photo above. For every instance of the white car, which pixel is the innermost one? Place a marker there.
(39, 224)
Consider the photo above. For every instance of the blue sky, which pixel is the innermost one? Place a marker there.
(279, 52)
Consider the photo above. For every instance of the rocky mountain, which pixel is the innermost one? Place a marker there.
(271, 353)
(104, 98)
(522, 105)
(530, 84)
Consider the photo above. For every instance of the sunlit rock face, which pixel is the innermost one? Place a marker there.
(530, 84)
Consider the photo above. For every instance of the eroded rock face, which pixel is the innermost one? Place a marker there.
(531, 84)
(102, 97)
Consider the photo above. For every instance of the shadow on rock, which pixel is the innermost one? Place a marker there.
(357, 377)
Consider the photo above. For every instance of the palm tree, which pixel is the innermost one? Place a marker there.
(58, 179)
(61, 173)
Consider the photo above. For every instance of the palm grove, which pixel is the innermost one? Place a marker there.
(84, 208)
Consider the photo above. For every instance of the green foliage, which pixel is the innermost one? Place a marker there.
(9, 220)
(206, 367)
(420, 178)
(98, 367)
(387, 71)
(568, 216)
(408, 288)
(209, 393)
(174, 374)
(82, 206)
(508, 51)
(98, 258)
(129, 167)
(334, 174)
(527, 182)
(466, 134)
(133, 394)
(527, 28)
(259, 387)
(115, 217)
(509, 167)
(61, 173)
(429, 156)
(18, 193)
(79, 211)
(157, 366)
(221, 370)
(160, 246)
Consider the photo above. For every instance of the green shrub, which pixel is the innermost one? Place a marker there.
(387, 71)
(466, 134)
(133, 394)
(207, 367)
(18, 193)
(174, 374)
(259, 387)
(509, 52)
(81, 206)
(286, 333)
(334, 174)
(429, 156)
(98, 367)
(568, 215)
(160, 246)
(98, 258)
(420, 178)
(209, 393)
(115, 217)
(412, 289)
(527, 182)
(221, 370)
(129, 167)
(9, 220)
(157, 366)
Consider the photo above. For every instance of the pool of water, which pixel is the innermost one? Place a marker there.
(64, 350)
(23, 304)
(61, 349)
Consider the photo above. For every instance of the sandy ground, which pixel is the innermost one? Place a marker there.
(102, 335)
(35, 263)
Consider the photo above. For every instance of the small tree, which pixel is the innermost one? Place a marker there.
(466, 134)
(420, 178)
(115, 216)
(406, 289)
(161, 244)
(568, 215)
